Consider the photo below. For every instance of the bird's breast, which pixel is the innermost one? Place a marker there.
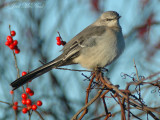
(107, 48)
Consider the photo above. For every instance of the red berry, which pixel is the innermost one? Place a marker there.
(24, 96)
(16, 50)
(16, 103)
(24, 73)
(58, 38)
(11, 46)
(31, 93)
(24, 110)
(39, 103)
(7, 43)
(13, 33)
(59, 43)
(11, 92)
(9, 39)
(14, 107)
(28, 90)
(15, 42)
(34, 107)
(29, 107)
(23, 101)
(28, 102)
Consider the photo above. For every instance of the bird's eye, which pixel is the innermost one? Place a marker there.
(108, 19)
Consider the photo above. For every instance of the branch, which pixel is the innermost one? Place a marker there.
(89, 103)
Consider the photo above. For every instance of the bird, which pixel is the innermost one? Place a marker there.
(98, 45)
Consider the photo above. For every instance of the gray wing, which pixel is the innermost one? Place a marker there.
(85, 38)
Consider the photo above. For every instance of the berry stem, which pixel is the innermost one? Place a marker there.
(15, 114)
(59, 35)
(16, 65)
(13, 98)
(39, 114)
(10, 29)
(6, 103)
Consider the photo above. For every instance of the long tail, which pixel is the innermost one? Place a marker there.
(37, 72)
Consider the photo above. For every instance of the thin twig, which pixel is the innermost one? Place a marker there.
(6, 103)
(89, 103)
(104, 103)
(87, 96)
(15, 112)
(138, 27)
(16, 65)
(39, 114)
(128, 106)
(122, 109)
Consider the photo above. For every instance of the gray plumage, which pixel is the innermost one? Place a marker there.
(98, 45)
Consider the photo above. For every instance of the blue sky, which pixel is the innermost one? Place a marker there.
(69, 18)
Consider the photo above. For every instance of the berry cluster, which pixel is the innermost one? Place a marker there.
(60, 41)
(29, 105)
(12, 44)
(15, 107)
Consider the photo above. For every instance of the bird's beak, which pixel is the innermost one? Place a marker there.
(119, 17)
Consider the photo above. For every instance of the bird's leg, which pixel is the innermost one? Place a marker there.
(98, 69)
(104, 69)
(97, 72)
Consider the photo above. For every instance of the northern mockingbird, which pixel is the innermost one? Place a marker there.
(98, 45)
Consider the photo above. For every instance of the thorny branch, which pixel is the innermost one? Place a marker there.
(138, 27)
(125, 98)
(88, 104)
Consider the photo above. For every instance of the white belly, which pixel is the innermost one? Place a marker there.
(103, 53)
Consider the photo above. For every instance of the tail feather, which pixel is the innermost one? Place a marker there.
(35, 73)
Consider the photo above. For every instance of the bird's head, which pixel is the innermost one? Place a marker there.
(109, 18)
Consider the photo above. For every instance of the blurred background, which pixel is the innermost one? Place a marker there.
(62, 92)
